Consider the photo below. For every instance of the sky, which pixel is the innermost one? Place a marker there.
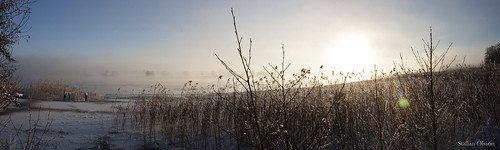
(127, 42)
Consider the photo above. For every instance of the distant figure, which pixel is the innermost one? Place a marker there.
(86, 95)
(69, 96)
(18, 95)
(65, 93)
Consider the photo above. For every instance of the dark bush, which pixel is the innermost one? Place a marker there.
(492, 54)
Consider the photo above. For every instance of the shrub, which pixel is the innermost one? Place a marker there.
(492, 54)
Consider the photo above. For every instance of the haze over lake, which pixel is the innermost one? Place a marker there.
(129, 43)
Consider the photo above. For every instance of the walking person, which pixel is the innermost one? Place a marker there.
(65, 93)
(86, 95)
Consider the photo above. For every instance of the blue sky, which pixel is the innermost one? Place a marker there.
(118, 41)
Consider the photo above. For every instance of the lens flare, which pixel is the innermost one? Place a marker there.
(403, 102)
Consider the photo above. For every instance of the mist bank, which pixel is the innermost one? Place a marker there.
(105, 72)
(106, 77)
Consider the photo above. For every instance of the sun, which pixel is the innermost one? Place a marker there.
(352, 53)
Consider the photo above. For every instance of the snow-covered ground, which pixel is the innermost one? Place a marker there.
(73, 125)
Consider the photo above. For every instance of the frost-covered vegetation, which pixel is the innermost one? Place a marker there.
(449, 103)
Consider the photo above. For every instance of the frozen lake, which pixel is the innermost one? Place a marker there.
(67, 125)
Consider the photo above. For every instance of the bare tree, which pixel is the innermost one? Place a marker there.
(14, 15)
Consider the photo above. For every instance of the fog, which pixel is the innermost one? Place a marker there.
(108, 75)
(136, 44)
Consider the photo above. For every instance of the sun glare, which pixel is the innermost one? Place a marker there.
(352, 53)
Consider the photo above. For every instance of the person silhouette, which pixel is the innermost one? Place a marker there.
(86, 95)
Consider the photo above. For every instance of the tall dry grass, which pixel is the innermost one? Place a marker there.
(28, 137)
(54, 90)
(320, 111)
